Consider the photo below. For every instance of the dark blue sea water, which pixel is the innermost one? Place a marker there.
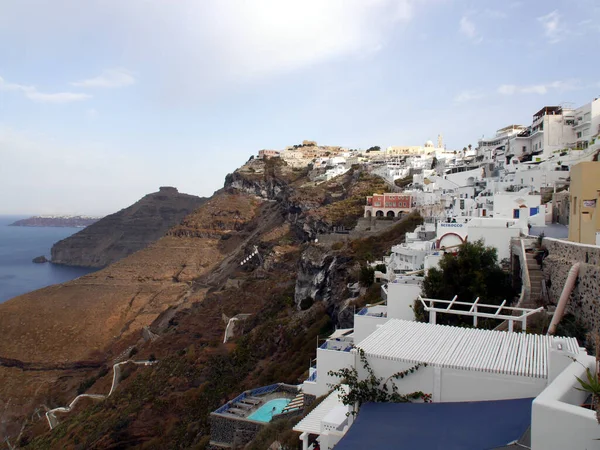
(18, 246)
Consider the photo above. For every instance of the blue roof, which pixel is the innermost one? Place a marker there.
(433, 426)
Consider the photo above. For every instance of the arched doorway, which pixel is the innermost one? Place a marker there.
(369, 213)
(379, 214)
(390, 214)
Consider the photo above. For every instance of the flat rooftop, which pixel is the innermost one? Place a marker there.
(464, 348)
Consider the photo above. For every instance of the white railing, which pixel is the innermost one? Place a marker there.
(478, 310)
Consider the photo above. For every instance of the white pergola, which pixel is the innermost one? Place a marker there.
(478, 310)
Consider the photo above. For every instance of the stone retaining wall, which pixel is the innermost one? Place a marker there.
(584, 303)
(227, 430)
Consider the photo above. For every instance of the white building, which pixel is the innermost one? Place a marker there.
(407, 257)
(487, 148)
(515, 205)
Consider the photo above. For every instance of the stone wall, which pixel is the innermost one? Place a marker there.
(584, 303)
(226, 430)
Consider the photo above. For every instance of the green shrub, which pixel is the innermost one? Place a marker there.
(337, 246)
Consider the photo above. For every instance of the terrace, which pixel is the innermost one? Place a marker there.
(559, 419)
(245, 415)
(373, 311)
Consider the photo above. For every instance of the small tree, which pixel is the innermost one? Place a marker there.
(472, 272)
(381, 268)
(373, 388)
(367, 276)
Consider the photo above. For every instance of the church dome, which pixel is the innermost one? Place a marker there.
(428, 144)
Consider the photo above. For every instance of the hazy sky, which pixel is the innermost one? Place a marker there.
(103, 101)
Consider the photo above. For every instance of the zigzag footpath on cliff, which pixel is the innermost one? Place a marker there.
(180, 288)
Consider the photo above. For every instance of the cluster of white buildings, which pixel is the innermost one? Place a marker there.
(462, 365)
(493, 193)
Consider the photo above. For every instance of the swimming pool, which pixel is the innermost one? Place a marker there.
(266, 412)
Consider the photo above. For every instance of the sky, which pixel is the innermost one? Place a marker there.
(103, 101)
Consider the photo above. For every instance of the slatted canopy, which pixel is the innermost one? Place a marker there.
(312, 422)
(464, 348)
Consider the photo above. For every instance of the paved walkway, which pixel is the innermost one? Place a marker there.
(51, 414)
(552, 230)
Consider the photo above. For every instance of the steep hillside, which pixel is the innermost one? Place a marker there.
(127, 231)
(172, 301)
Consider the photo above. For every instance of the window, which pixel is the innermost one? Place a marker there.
(579, 134)
(524, 148)
(515, 213)
(534, 211)
(462, 204)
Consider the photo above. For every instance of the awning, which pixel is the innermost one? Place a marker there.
(434, 426)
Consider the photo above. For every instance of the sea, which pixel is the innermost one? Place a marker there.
(18, 246)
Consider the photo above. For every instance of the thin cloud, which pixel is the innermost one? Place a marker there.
(202, 48)
(552, 26)
(540, 89)
(33, 94)
(111, 78)
(468, 96)
(467, 28)
(494, 14)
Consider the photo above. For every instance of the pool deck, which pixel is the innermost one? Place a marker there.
(244, 411)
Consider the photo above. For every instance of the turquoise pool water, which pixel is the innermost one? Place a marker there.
(266, 412)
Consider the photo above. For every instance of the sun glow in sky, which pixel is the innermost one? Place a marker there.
(102, 102)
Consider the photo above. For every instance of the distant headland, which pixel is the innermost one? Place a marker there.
(56, 221)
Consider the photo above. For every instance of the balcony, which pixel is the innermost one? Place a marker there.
(374, 311)
(341, 344)
(581, 123)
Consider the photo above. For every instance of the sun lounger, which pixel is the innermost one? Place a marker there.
(243, 405)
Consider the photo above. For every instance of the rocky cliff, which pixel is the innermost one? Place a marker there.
(169, 301)
(127, 231)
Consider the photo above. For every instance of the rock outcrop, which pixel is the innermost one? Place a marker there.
(127, 231)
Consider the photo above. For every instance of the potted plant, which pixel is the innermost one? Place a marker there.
(591, 383)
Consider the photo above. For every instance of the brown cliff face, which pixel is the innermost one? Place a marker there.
(71, 325)
(181, 286)
(127, 231)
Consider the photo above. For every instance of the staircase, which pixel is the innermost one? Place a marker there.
(296, 403)
(536, 276)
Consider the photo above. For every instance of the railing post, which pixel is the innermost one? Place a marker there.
(475, 317)
(510, 325)
(432, 317)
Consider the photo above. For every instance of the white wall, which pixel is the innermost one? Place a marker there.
(432, 261)
(497, 237)
(506, 203)
(329, 360)
(456, 385)
(456, 228)
(401, 297)
(557, 420)
(365, 325)
(460, 178)
(468, 385)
